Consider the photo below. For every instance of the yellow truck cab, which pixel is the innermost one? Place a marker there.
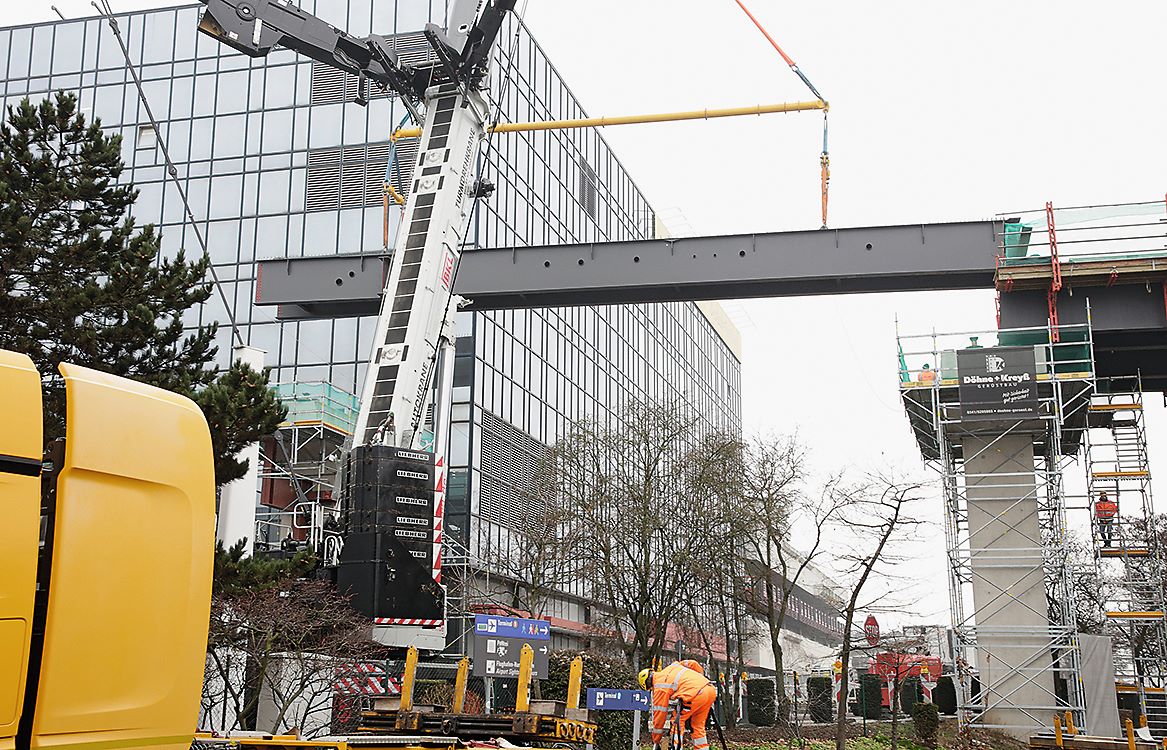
(106, 548)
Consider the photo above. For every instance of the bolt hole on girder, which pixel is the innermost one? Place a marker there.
(636, 259)
(339, 281)
(547, 264)
(868, 245)
(741, 253)
(352, 274)
(580, 261)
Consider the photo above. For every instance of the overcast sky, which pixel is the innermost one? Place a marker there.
(939, 111)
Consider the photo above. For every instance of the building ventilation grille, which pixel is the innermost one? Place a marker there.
(332, 86)
(588, 197)
(510, 458)
(352, 176)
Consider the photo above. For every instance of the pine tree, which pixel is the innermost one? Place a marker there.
(81, 282)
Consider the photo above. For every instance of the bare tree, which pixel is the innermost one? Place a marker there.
(720, 601)
(273, 656)
(540, 559)
(775, 505)
(629, 487)
(876, 517)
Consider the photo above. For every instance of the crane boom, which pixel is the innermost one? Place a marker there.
(415, 321)
(416, 306)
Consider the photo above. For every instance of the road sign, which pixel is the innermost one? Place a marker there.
(499, 657)
(871, 630)
(512, 627)
(609, 699)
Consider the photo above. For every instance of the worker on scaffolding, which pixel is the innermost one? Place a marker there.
(927, 375)
(679, 687)
(1105, 513)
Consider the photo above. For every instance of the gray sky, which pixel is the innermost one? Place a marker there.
(939, 111)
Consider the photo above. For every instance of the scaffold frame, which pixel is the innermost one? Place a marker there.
(1127, 551)
(1005, 528)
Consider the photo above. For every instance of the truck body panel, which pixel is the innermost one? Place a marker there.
(21, 445)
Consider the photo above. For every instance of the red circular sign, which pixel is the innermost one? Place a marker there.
(871, 630)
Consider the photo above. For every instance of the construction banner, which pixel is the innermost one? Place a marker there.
(997, 383)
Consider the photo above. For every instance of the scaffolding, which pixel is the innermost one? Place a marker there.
(299, 466)
(299, 472)
(1127, 551)
(1011, 586)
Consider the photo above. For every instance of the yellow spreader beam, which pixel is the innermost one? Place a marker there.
(603, 122)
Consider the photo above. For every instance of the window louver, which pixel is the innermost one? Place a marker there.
(588, 197)
(332, 86)
(510, 458)
(352, 176)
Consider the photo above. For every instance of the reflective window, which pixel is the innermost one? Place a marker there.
(18, 53)
(68, 44)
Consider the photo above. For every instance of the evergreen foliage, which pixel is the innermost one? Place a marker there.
(870, 695)
(81, 282)
(944, 695)
(760, 702)
(818, 699)
(236, 574)
(926, 720)
(614, 727)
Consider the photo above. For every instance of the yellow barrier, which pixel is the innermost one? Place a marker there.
(408, 678)
(523, 697)
(574, 681)
(460, 685)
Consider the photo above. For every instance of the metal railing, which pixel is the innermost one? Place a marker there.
(1120, 230)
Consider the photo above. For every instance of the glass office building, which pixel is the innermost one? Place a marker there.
(278, 161)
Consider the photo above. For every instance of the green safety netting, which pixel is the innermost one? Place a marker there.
(319, 402)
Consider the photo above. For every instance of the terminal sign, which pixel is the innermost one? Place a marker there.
(607, 699)
(512, 627)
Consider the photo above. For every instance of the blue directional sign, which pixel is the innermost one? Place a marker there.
(607, 699)
(512, 627)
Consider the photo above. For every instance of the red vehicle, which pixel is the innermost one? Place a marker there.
(886, 664)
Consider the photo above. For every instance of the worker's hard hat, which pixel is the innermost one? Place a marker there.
(643, 678)
(927, 366)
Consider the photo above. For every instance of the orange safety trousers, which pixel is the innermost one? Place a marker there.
(696, 694)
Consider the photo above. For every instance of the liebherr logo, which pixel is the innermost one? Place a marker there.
(448, 269)
(993, 363)
(419, 397)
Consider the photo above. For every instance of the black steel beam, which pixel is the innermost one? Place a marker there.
(1128, 321)
(328, 286)
(916, 257)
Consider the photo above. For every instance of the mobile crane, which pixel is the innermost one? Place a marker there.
(381, 565)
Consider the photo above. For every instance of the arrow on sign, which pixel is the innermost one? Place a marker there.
(543, 649)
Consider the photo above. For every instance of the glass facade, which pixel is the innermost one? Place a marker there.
(277, 161)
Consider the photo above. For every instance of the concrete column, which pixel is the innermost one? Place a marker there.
(1008, 590)
(237, 499)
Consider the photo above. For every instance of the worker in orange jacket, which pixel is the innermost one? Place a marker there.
(696, 694)
(1105, 511)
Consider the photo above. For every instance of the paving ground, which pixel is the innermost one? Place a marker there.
(822, 737)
